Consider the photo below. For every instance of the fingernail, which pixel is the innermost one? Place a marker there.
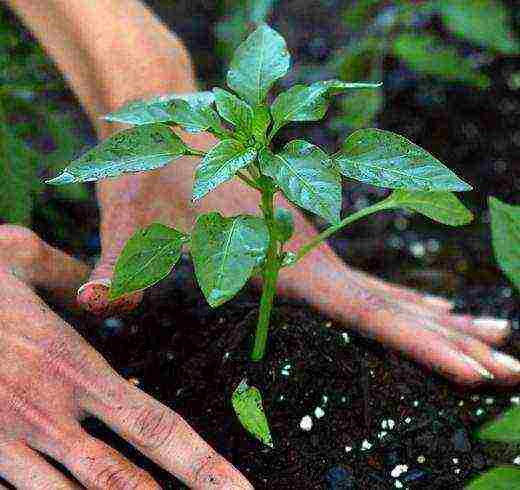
(439, 302)
(101, 282)
(491, 323)
(476, 366)
(507, 361)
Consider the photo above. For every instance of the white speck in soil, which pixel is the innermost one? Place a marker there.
(489, 400)
(343, 399)
(515, 400)
(455, 460)
(286, 370)
(328, 324)
(416, 403)
(324, 399)
(365, 445)
(421, 459)
(398, 484)
(348, 449)
(475, 398)
(417, 249)
(461, 403)
(319, 412)
(407, 420)
(345, 337)
(456, 471)
(382, 434)
(480, 411)
(306, 423)
(399, 470)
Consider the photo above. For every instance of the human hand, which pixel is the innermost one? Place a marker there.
(458, 346)
(50, 379)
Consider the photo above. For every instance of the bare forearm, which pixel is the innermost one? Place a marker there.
(111, 51)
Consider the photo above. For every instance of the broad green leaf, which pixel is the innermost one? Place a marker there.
(261, 122)
(234, 111)
(156, 109)
(147, 258)
(257, 63)
(220, 164)
(225, 252)
(485, 22)
(247, 403)
(357, 14)
(386, 159)
(505, 232)
(505, 429)
(195, 118)
(443, 207)
(309, 103)
(283, 224)
(427, 55)
(501, 478)
(304, 174)
(136, 149)
(19, 178)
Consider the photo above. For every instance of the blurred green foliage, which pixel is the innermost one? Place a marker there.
(29, 123)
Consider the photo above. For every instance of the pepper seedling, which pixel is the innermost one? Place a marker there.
(228, 250)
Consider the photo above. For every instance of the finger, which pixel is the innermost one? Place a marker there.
(97, 466)
(493, 331)
(40, 265)
(167, 439)
(26, 469)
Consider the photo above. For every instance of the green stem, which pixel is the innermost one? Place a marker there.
(270, 278)
(319, 239)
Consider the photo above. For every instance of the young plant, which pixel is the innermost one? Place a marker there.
(228, 250)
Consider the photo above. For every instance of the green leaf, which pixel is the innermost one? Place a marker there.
(484, 22)
(257, 63)
(427, 55)
(247, 403)
(220, 164)
(304, 174)
(283, 224)
(359, 109)
(309, 103)
(261, 122)
(225, 252)
(195, 118)
(386, 159)
(156, 109)
(234, 111)
(505, 233)
(501, 478)
(147, 258)
(133, 150)
(505, 429)
(19, 178)
(443, 207)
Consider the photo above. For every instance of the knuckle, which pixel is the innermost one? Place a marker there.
(119, 477)
(154, 428)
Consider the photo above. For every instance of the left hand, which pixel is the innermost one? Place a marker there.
(458, 346)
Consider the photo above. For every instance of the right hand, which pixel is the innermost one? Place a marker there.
(50, 379)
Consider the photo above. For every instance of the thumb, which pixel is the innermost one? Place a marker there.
(93, 295)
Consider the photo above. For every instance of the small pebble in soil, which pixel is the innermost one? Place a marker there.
(348, 449)
(319, 412)
(407, 420)
(286, 370)
(461, 441)
(475, 398)
(413, 475)
(479, 412)
(455, 460)
(339, 478)
(461, 403)
(489, 400)
(421, 459)
(398, 484)
(416, 403)
(306, 423)
(365, 445)
(516, 460)
(388, 424)
(456, 471)
(399, 470)
(345, 337)
(382, 434)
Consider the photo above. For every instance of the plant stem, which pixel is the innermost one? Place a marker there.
(270, 277)
(242, 176)
(318, 239)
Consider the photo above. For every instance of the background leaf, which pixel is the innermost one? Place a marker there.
(225, 251)
(234, 111)
(156, 109)
(386, 159)
(219, 165)
(147, 258)
(429, 56)
(505, 233)
(502, 478)
(483, 22)
(247, 403)
(359, 109)
(304, 174)
(133, 150)
(443, 207)
(257, 63)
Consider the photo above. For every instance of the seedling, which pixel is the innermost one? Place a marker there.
(228, 250)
